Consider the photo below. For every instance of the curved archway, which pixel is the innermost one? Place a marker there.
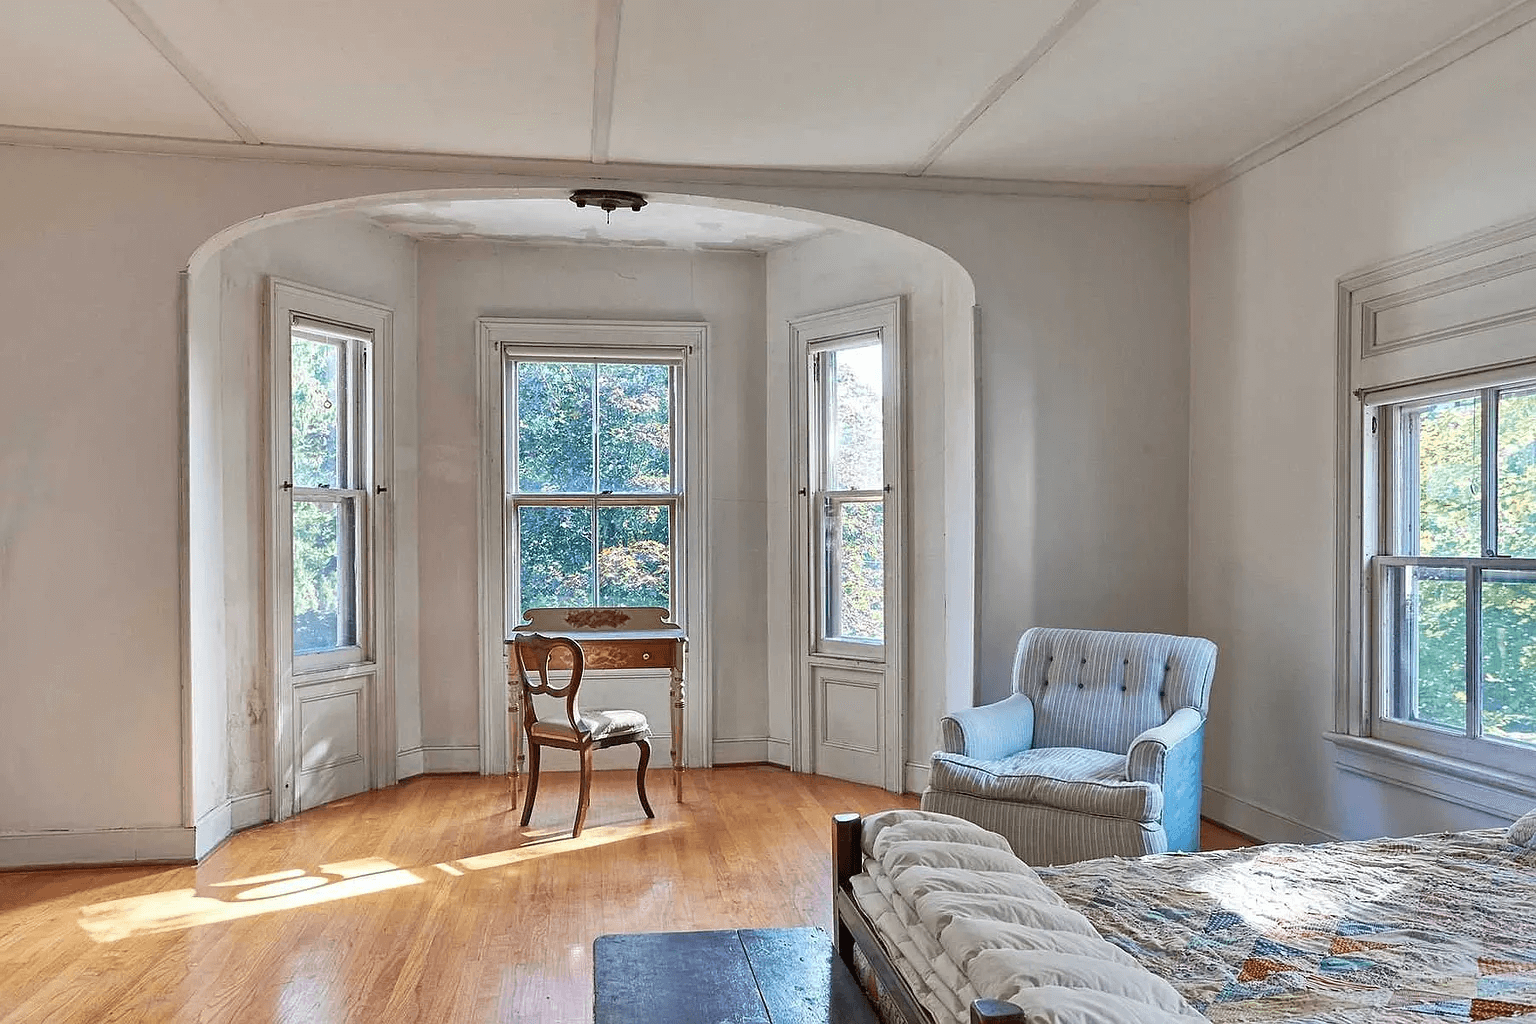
(230, 518)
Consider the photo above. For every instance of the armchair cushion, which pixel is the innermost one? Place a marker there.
(1068, 778)
(992, 731)
(1148, 756)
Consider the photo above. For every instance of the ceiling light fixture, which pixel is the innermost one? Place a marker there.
(607, 199)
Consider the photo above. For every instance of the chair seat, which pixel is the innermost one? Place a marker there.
(602, 725)
(1068, 778)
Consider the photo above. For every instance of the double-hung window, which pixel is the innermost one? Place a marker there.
(330, 453)
(593, 480)
(1454, 584)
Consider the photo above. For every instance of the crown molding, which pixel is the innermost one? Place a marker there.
(568, 172)
(1511, 18)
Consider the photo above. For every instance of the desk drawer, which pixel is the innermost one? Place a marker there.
(606, 654)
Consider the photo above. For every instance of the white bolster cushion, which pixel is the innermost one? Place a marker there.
(1012, 972)
(1055, 1005)
(932, 854)
(968, 936)
(874, 824)
(915, 883)
(939, 909)
(956, 831)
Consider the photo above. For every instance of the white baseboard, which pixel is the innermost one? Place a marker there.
(250, 810)
(409, 762)
(421, 759)
(917, 777)
(740, 750)
(54, 847)
(1261, 823)
(233, 815)
(778, 752)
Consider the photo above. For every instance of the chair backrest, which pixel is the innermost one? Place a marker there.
(540, 648)
(1100, 690)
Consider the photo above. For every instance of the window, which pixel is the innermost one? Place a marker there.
(848, 468)
(593, 482)
(1455, 586)
(329, 463)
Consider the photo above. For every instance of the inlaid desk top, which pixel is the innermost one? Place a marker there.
(601, 623)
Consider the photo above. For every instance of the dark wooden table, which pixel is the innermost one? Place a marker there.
(748, 976)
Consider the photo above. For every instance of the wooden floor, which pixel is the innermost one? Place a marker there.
(424, 902)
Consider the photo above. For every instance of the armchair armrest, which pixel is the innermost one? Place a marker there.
(1148, 755)
(991, 731)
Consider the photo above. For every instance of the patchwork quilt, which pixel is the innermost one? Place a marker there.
(1425, 930)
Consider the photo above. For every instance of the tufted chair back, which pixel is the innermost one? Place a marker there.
(1101, 690)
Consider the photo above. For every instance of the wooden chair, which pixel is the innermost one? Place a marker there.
(581, 731)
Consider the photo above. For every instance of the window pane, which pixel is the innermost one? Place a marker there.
(634, 558)
(1448, 484)
(324, 576)
(318, 375)
(856, 587)
(1430, 674)
(1517, 474)
(554, 548)
(554, 428)
(855, 419)
(634, 427)
(1509, 655)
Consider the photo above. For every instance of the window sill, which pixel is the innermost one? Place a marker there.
(1459, 782)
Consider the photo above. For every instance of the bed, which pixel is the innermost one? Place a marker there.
(1428, 929)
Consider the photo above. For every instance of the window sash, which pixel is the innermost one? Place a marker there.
(516, 499)
(354, 471)
(1394, 654)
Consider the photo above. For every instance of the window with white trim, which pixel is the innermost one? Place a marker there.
(330, 452)
(593, 481)
(1453, 504)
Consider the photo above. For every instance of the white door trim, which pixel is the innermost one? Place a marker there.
(493, 336)
(285, 298)
(888, 318)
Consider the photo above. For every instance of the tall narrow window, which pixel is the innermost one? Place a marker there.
(1457, 592)
(330, 452)
(593, 483)
(848, 469)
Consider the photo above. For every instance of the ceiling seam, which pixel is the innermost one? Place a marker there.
(1510, 19)
(1009, 79)
(177, 60)
(610, 15)
(561, 174)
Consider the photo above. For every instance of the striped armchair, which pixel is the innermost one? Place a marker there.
(1097, 753)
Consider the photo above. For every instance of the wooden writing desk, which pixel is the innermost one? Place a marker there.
(610, 638)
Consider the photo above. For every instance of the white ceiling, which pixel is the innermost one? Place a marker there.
(1117, 91)
(557, 221)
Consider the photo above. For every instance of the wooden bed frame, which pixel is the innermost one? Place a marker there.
(853, 927)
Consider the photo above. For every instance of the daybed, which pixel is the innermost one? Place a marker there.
(933, 913)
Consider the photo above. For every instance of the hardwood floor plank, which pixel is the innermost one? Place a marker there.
(424, 902)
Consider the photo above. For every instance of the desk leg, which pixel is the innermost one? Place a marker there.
(514, 736)
(679, 739)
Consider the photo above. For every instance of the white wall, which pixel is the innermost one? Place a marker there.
(843, 269)
(1452, 154)
(231, 692)
(461, 281)
(91, 643)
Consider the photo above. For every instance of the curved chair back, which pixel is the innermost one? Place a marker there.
(1100, 690)
(540, 648)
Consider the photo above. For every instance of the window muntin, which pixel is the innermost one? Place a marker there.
(329, 456)
(593, 501)
(1456, 654)
(848, 469)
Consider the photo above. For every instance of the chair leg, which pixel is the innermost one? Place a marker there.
(586, 790)
(645, 759)
(533, 781)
